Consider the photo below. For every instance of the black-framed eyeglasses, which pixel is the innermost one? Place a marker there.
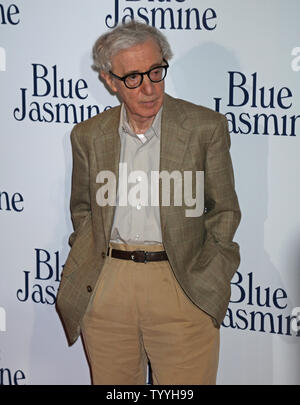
(134, 80)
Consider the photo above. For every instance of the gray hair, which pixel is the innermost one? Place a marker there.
(122, 37)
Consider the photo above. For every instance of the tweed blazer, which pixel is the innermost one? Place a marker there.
(200, 249)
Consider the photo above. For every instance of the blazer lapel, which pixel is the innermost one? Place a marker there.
(174, 137)
(174, 141)
(107, 148)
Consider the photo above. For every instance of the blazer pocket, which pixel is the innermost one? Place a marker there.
(82, 227)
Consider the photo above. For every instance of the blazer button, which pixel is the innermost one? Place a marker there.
(103, 255)
(89, 288)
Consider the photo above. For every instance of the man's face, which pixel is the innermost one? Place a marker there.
(144, 102)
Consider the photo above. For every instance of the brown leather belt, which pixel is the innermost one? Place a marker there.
(139, 256)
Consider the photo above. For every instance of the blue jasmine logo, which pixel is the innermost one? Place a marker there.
(12, 202)
(41, 286)
(261, 105)
(8, 377)
(265, 309)
(169, 16)
(9, 14)
(54, 98)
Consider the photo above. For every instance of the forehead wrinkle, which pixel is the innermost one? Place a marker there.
(145, 71)
(139, 58)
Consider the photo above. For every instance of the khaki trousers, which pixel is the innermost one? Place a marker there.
(139, 313)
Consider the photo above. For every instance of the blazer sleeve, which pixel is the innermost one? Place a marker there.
(222, 212)
(80, 195)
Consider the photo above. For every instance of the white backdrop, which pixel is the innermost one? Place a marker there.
(242, 58)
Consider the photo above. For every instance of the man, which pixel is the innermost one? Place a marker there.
(147, 282)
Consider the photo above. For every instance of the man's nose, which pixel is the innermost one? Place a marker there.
(147, 85)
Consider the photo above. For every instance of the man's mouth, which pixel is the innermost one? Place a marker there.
(150, 102)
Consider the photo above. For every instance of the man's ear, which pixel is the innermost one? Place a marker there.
(109, 81)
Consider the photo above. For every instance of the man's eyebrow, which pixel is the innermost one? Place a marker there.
(151, 67)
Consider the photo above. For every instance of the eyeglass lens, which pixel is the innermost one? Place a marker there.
(155, 75)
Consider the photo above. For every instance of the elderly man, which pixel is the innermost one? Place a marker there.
(144, 281)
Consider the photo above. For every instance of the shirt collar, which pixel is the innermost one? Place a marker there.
(124, 127)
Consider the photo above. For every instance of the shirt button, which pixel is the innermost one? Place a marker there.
(139, 178)
(89, 288)
(138, 207)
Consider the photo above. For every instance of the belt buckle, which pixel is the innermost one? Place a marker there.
(134, 257)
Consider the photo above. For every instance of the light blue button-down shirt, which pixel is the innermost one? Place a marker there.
(135, 223)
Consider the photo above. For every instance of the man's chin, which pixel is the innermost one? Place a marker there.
(148, 114)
